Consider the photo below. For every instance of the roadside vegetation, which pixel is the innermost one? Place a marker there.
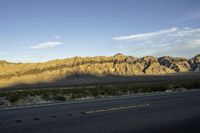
(39, 96)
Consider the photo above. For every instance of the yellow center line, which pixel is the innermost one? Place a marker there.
(117, 108)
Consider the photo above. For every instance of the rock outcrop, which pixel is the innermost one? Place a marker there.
(176, 64)
(195, 63)
(119, 65)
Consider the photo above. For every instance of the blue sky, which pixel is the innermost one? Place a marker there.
(41, 30)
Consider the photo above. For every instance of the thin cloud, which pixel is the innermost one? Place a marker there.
(46, 45)
(57, 37)
(183, 42)
(194, 15)
(190, 16)
(144, 36)
(193, 44)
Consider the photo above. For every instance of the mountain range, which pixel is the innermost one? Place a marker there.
(118, 65)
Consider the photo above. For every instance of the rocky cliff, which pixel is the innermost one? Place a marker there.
(119, 65)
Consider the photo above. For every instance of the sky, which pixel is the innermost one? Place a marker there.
(42, 30)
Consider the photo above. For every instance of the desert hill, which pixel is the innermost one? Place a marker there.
(117, 65)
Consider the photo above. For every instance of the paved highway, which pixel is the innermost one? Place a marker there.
(155, 113)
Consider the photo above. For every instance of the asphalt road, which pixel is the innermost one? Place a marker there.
(157, 113)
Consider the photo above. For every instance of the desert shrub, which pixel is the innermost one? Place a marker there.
(60, 98)
(13, 97)
(60, 94)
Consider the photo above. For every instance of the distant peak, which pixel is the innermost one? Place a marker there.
(198, 55)
(149, 57)
(119, 54)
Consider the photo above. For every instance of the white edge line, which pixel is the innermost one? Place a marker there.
(117, 108)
